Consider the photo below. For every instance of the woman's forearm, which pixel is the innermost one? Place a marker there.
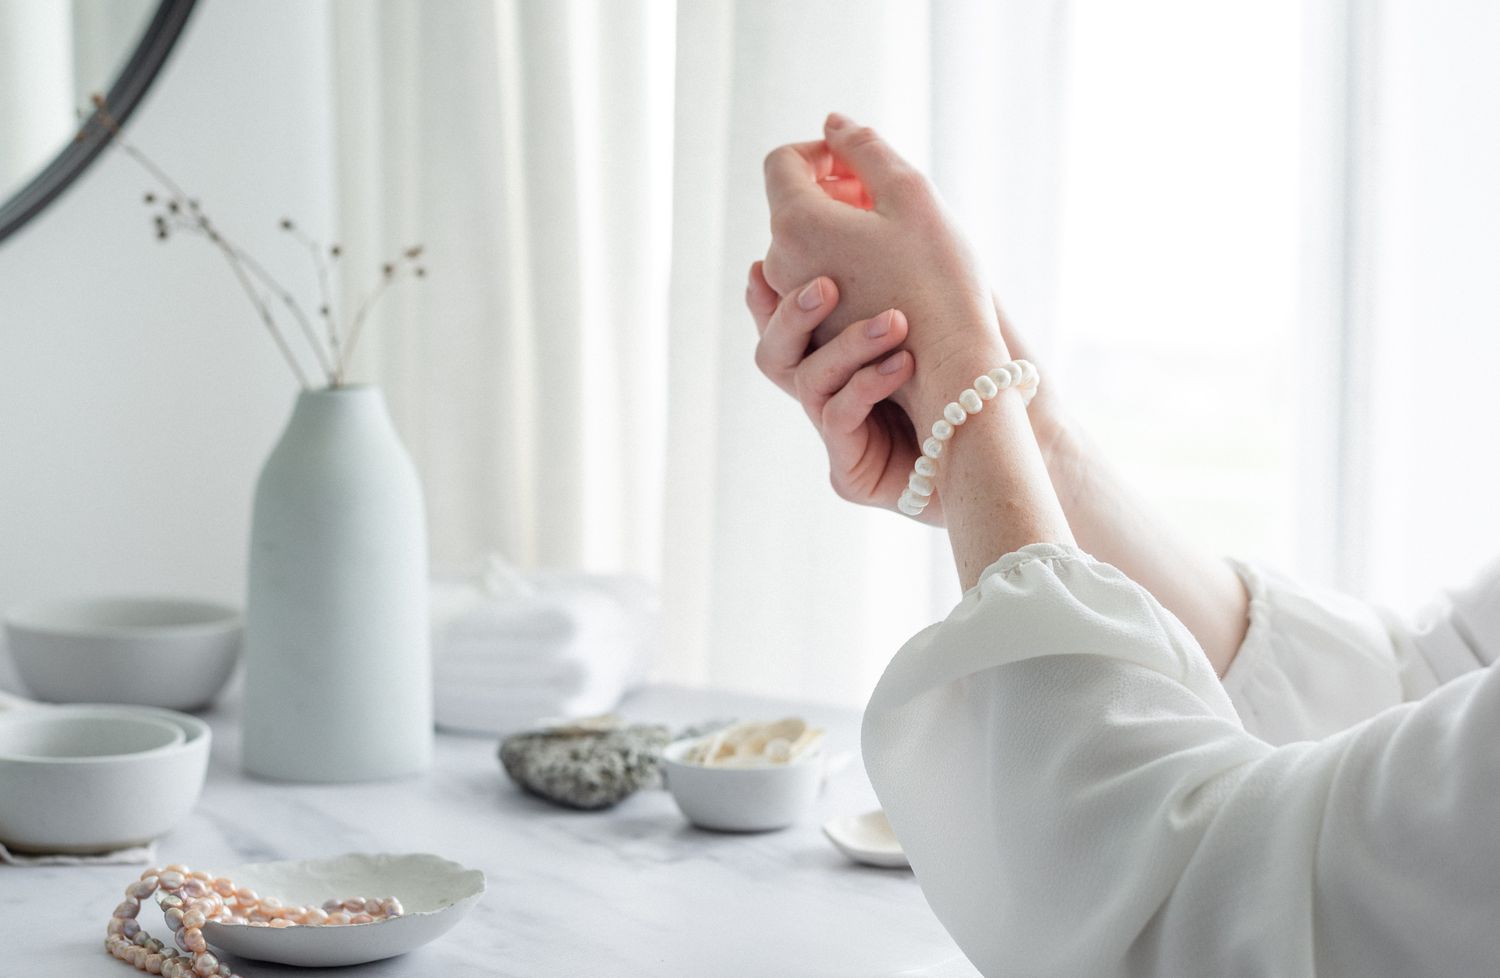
(1114, 524)
(996, 494)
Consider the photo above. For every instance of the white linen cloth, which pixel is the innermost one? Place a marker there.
(511, 650)
(1078, 796)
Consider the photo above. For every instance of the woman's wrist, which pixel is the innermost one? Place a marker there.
(941, 378)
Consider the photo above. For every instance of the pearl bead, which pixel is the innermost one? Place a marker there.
(169, 968)
(258, 923)
(361, 918)
(153, 964)
(141, 889)
(174, 918)
(193, 889)
(193, 938)
(193, 919)
(280, 922)
(177, 868)
(128, 907)
(199, 874)
(315, 916)
(246, 896)
(129, 927)
(206, 964)
(332, 905)
(919, 487)
(354, 905)
(171, 880)
(168, 901)
(223, 887)
(150, 873)
(392, 907)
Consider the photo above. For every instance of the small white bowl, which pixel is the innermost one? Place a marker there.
(435, 894)
(67, 795)
(164, 652)
(867, 839)
(742, 799)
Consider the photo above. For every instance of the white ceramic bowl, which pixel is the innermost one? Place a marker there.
(434, 893)
(70, 794)
(742, 799)
(165, 652)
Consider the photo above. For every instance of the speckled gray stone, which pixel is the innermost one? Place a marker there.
(587, 769)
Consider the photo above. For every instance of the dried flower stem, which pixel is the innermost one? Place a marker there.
(182, 213)
(235, 257)
(325, 292)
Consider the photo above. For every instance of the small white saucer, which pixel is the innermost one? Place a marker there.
(867, 839)
(436, 895)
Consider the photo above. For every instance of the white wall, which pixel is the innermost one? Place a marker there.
(138, 394)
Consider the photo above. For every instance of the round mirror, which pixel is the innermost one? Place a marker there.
(55, 55)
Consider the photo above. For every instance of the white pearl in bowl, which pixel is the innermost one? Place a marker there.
(167, 652)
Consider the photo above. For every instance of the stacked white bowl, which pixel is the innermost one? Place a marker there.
(89, 779)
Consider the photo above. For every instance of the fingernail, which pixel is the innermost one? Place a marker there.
(812, 296)
(836, 121)
(879, 326)
(892, 363)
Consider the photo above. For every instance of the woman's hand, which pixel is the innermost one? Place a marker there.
(851, 208)
(843, 386)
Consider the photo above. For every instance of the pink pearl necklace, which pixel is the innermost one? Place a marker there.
(189, 900)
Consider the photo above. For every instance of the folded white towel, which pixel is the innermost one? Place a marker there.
(509, 650)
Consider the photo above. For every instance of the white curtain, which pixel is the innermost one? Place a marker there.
(575, 375)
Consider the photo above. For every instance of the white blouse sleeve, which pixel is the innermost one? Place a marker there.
(1077, 797)
(1314, 661)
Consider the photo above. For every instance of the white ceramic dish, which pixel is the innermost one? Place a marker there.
(742, 799)
(435, 893)
(164, 652)
(867, 839)
(89, 802)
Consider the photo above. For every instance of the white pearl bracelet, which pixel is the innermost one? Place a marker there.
(1020, 374)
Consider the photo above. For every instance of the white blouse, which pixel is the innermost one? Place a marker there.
(1079, 795)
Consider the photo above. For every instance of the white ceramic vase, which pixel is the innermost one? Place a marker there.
(338, 682)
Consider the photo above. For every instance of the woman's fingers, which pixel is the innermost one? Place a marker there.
(760, 298)
(830, 368)
(784, 341)
(871, 159)
(858, 457)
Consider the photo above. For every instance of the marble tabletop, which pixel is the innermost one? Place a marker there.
(633, 891)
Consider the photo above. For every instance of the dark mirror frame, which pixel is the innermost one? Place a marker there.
(124, 95)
